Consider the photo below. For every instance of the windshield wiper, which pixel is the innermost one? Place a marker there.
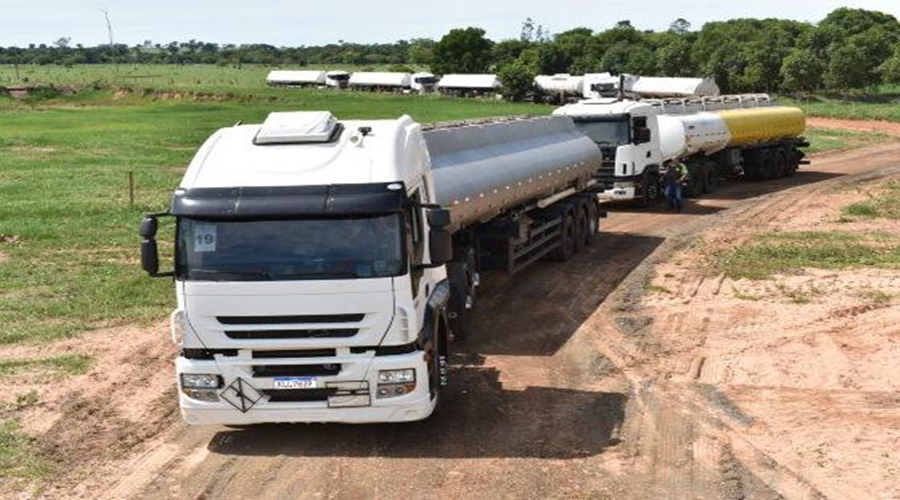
(259, 273)
(309, 276)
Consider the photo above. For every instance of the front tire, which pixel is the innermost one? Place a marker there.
(650, 188)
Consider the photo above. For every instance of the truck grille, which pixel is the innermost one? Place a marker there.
(298, 395)
(262, 371)
(289, 320)
(332, 333)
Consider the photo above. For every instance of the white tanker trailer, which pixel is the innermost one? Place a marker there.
(322, 266)
(721, 137)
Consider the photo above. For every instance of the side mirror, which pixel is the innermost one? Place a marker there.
(440, 246)
(150, 257)
(438, 218)
(149, 225)
(641, 135)
(149, 248)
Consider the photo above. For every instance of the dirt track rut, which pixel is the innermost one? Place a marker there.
(555, 394)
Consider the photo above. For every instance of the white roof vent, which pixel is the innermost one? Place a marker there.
(298, 127)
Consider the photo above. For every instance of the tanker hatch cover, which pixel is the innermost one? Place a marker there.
(298, 127)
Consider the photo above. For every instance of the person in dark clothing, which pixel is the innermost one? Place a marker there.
(676, 174)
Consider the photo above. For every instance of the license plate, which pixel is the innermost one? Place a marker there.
(295, 382)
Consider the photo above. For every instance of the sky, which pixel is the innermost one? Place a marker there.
(302, 22)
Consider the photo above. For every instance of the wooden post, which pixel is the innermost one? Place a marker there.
(131, 189)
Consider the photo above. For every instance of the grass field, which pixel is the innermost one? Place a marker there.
(205, 77)
(881, 104)
(822, 139)
(68, 242)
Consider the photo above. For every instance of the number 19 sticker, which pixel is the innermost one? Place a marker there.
(205, 238)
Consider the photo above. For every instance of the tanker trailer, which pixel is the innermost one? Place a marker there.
(322, 266)
(720, 137)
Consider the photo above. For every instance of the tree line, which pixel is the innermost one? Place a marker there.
(849, 49)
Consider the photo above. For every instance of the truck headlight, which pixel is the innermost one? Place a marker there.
(200, 381)
(393, 383)
(396, 376)
(201, 386)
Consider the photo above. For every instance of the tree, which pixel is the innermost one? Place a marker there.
(844, 71)
(890, 69)
(421, 51)
(62, 42)
(674, 58)
(507, 51)
(680, 26)
(517, 79)
(527, 32)
(462, 51)
(801, 71)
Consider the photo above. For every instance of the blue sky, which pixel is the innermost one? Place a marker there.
(303, 22)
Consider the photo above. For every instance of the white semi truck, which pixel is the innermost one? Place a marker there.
(716, 137)
(322, 266)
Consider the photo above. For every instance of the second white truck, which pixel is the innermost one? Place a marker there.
(322, 266)
(716, 137)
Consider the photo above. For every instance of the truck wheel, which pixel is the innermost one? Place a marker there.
(438, 368)
(593, 220)
(566, 247)
(650, 190)
(462, 277)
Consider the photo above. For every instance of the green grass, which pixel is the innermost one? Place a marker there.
(19, 456)
(876, 297)
(65, 365)
(66, 227)
(780, 253)
(883, 202)
(207, 77)
(880, 104)
(822, 139)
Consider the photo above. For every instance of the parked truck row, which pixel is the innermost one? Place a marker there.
(384, 81)
(322, 267)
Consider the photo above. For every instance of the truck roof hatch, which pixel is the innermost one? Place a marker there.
(298, 127)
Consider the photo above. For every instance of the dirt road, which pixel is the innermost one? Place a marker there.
(562, 390)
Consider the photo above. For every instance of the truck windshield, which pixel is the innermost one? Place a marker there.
(306, 249)
(606, 132)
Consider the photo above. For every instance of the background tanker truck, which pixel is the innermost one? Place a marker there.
(716, 137)
(321, 266)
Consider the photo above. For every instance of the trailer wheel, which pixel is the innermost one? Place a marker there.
(779, 162)
(581, 225)
(711, 182)
(766, 166)
(566, 247)
(793, 162)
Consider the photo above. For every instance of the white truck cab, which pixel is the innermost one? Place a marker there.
(303, 274)
(626, 132)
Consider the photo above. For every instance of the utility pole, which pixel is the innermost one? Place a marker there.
(109, 32)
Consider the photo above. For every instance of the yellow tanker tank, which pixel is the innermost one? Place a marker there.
(753, 125)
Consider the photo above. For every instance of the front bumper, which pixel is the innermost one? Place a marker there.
(355, 370)
(621, 193)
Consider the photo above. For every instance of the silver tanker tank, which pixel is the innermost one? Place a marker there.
(482, 170)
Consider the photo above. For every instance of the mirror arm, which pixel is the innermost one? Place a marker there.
(418, 204)
(422, 267)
